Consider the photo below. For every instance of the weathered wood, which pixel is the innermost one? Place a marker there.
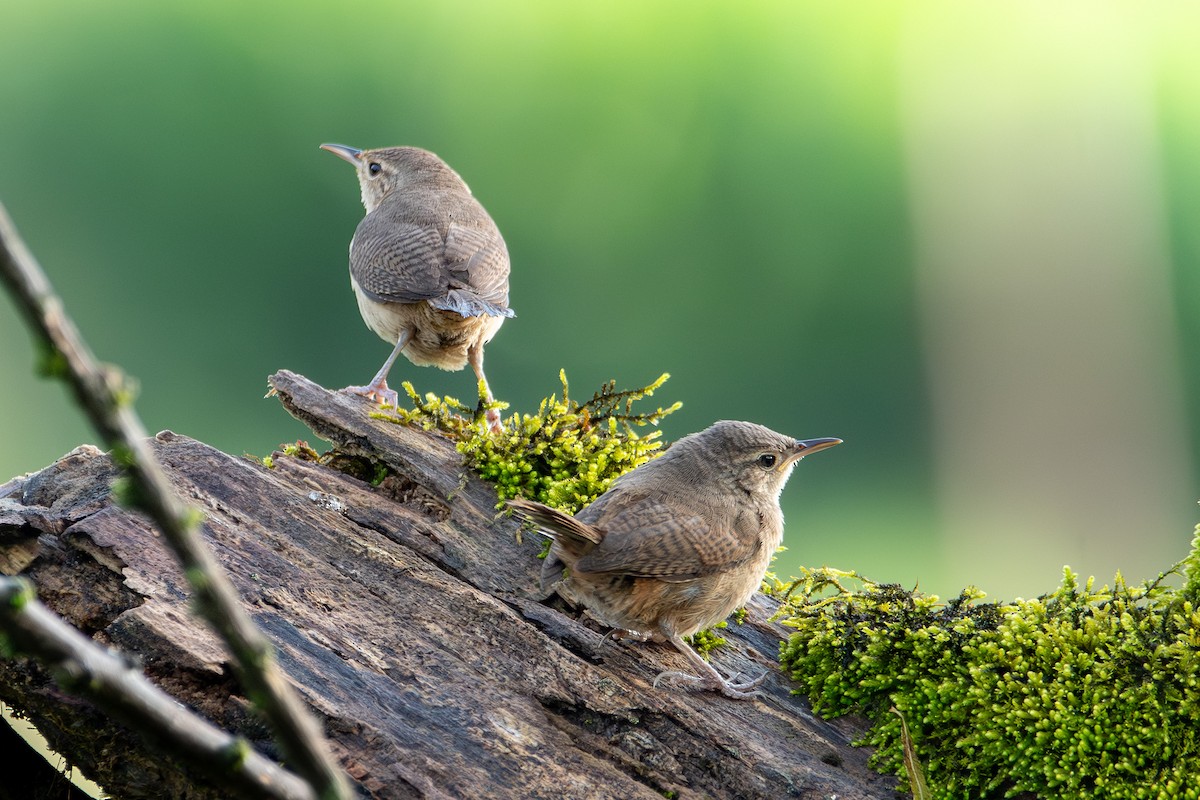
(408, 616)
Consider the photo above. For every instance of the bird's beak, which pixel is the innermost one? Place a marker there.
(342, 151)
(806, 447)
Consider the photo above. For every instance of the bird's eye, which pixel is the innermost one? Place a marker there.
(766, 460)
(374, 168)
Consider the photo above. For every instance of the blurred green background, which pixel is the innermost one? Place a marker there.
(962, 237)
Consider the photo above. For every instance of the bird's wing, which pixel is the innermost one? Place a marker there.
(398, 263)
(477, 261)
(647, 536)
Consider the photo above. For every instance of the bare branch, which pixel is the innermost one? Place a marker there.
(85, 668)
(106, 396)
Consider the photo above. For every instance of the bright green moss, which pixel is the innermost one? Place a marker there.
(706, 640)
(566, 455)
(299, 450)
(1082, 693)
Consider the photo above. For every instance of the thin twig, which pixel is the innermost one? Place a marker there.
(105, 395)
(114, 685)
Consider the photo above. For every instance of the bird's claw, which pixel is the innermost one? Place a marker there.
(736, 691)
(748, 687)
(381, 394)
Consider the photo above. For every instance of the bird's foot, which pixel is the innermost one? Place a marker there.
(493, 420)
(626, 635)
(738, 691)
(379, 392)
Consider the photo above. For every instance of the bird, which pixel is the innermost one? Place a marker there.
(678, 544)
(427, 264)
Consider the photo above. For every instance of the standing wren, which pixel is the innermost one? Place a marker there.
(427, 264)
(676, 545)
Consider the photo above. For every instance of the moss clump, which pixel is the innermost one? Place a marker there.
(1082, 693)
(566, 455)
(707, 640)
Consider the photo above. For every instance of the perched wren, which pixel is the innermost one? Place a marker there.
(676, 545)
(427, 264)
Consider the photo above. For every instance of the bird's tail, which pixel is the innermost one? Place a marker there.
(572, 538)
(469, 304)
(569, 532)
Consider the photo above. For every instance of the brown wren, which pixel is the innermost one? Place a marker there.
(427, 264)
(676, 545)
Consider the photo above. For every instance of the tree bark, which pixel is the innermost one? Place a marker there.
(409, 617)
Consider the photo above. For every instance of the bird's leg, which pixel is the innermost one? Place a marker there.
(475, 358)
(377, 389)
(709, 678)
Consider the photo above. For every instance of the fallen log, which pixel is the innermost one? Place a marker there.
(409, 617)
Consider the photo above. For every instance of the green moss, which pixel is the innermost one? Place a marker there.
(1190, 567)
(707, 640)
(771, 585)
(299, 450)
(565, 455)
(1082, 693)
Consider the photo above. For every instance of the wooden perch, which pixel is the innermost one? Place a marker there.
(408, 617)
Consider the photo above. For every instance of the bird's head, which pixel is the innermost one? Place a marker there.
(753, 458)
(387, 169)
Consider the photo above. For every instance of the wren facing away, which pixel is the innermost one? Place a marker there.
(678, 544)
(427, 264)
